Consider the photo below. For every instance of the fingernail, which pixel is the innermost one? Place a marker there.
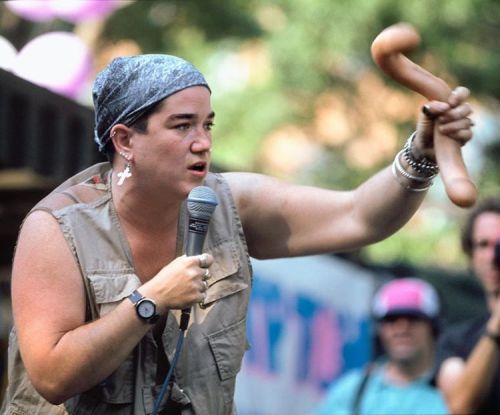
(427, 112)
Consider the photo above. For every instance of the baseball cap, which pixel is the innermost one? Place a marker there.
(406, 296)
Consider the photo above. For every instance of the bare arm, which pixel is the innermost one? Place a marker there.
(465, 385)
(282, 219)
(64, 355)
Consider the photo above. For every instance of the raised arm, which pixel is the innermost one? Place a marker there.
(466, 384)
(282, 219)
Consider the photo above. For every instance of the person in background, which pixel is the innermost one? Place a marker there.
(399, 381)
(100, 276)
(469, 352)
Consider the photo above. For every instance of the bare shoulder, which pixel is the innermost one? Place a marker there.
(44, 270)
(257, 192)
(40, 237)
(243, 183)
(449, 371)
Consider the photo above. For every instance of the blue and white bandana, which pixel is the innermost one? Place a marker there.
(129, 86)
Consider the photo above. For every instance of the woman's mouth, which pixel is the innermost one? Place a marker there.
(198, 168)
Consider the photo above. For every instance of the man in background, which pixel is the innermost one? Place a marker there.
(469, 373)
(399, 382)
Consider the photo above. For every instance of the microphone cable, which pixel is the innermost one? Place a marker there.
(178, 347)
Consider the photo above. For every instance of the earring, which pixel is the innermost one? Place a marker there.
(126, 173)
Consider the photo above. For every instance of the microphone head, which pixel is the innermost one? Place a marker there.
(201, 203)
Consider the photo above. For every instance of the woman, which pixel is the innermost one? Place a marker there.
(112, 237)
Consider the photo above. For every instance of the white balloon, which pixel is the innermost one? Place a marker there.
(59, 61)
(8, 54)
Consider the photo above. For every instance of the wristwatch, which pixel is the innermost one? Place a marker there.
(145, 307)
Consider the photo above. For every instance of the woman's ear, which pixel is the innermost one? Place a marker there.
(120, 136)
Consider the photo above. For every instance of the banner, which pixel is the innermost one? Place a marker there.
(308, 323)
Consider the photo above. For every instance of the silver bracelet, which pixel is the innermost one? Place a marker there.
(404, 173)
(399, 172)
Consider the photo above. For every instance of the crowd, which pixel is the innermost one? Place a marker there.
(428, 368)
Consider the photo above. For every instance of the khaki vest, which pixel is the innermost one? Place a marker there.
(215, 341)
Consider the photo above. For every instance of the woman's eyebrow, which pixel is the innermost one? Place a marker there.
(187, 116)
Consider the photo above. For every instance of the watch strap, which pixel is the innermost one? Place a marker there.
(135, 297)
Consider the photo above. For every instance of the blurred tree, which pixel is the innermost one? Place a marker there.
(297, 94)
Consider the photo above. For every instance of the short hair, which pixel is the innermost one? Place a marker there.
(491, 204)
(140, 125)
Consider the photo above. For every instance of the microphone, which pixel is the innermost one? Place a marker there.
(201, 203)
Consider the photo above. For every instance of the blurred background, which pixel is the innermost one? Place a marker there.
(297, 96)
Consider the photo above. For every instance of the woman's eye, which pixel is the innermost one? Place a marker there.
(182, 127)
(209, 126)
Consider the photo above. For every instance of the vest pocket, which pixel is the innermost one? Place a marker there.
(228, 347)
(224, 277)
(110, 288)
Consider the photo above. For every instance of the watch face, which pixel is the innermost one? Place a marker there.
(146, 309)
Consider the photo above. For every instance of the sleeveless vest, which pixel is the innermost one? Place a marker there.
(215, 341)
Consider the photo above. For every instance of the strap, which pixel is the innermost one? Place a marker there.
(361, 388)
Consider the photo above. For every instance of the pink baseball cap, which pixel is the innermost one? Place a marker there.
(406, 296)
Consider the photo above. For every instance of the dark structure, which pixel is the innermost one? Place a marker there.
(44, 139)
(43, 133)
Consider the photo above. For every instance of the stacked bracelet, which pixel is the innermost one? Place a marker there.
(425, 170)
(422, 165)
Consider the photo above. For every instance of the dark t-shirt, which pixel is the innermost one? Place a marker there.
(459, 341)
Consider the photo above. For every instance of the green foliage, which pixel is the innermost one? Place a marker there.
(315, 47)
(158, 25)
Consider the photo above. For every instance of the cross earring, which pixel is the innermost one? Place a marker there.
(126, 173)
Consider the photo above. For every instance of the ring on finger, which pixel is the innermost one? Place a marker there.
(206, 275)
(205, 284)
(204, 298)
(203, 260)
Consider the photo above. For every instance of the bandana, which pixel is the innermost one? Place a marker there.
(129, 86)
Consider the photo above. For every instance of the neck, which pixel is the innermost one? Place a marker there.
(403, 372)
(151, 213)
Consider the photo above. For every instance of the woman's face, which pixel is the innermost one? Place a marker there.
(173, 156)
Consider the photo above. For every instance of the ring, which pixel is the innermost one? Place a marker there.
(206, 275)
(204, 299)
(206, 287)
(203, 260)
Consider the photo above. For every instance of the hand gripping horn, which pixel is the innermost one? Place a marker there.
(388, 51)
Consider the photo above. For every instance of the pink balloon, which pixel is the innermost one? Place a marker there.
(35, 10)
(78, 10)
(58, 61)
(71, 10)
